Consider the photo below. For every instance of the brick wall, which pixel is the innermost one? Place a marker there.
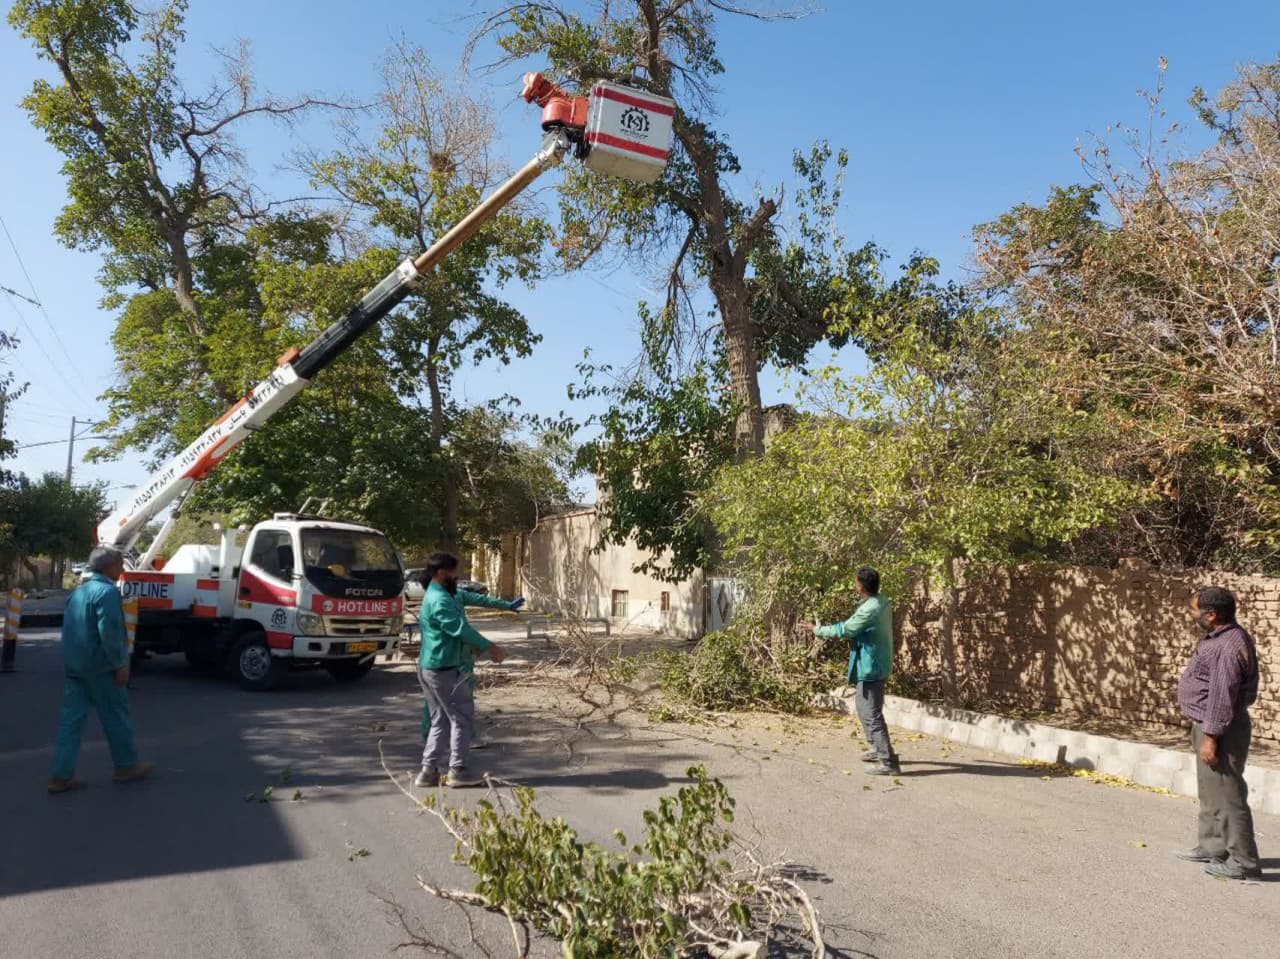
(1098, 643)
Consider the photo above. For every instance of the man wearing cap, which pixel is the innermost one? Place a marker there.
(95, 652)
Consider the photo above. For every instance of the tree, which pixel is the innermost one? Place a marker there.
(152, 169)
(48, 517)
(770, 293)
(943, 454)
(10, 389)
(428, 167)
(1151, 296)
(660, 447)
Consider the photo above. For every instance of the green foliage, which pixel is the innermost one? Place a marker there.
(602, 903)
(659, 449)
(10, 389)
(944, 452)
(735, 669)
(46, 517)
(1148, 296)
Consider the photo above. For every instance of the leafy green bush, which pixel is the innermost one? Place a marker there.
(736, 669)
(675, 893)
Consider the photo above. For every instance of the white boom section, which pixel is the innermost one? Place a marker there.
(193, 464)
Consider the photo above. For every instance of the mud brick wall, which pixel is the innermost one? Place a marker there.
(1098, 643)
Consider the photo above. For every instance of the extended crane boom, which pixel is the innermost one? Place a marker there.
(614, 130)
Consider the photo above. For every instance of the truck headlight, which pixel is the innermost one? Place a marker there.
(309, 624)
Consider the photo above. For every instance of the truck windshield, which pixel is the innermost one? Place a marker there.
(351, 563)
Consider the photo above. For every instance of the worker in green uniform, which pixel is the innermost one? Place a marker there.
(468, 667)
(869, 633)
(95, 651)
(445, 633)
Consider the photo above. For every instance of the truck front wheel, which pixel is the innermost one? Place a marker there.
(349, 670)
(254, 666)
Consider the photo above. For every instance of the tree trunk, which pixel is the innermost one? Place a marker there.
(449, 485)
(947, 628)
(184, 284)
(740, 350)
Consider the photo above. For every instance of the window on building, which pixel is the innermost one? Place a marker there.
(666, 602)
(620, 597)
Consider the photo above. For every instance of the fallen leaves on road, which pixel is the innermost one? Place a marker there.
(1137, 844)
(1060, 770)
(355, 854)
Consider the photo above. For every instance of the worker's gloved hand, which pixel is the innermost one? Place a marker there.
(515, 604)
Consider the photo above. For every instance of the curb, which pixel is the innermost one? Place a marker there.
(1147, 765)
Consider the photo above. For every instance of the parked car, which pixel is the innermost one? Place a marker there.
(415, 586)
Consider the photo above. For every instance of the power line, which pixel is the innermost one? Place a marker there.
(27, 446)
(71, 379)
(12, 292)
(38, 299)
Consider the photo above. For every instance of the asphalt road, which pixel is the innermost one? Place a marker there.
(970, 856)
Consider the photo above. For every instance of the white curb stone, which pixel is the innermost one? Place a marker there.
(1147, 765)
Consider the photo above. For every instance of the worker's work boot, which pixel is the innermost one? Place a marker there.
(885, 769)
(427, 779)
(870, 756)
(135, 774)
(463, 778)
(57, 786)
(1199, 855)
(1226, 869)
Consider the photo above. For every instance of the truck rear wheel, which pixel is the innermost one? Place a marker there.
(349, 670)
(254, 666)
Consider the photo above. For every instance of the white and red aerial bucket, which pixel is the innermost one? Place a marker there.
(629, 132)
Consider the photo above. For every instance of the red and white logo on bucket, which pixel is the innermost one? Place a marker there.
(332, 606)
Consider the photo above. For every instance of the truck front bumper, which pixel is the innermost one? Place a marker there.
(338, 647)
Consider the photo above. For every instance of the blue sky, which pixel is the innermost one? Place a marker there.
(952, 112)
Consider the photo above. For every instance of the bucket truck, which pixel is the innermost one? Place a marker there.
(304, 590)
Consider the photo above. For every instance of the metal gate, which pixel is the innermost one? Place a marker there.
(724, 595)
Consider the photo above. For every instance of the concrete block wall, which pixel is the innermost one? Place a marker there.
(1091, 642)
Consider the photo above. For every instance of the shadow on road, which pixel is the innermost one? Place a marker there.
(217, 748)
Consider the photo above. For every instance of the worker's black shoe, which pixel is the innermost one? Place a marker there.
(885, 769)
(427, 779)
(1198, 855)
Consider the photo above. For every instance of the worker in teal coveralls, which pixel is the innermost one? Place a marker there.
(467, 598)
(869, 633)
(95, 652)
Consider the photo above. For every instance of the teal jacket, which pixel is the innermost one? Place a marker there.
(869, 632)
(93, 636)
(448, 640)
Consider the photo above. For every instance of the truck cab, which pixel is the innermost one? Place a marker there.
(302, 591)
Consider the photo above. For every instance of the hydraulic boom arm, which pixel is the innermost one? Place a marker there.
(615, 130)
(174, 481)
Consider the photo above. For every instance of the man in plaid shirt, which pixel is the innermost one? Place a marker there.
(1216, 691)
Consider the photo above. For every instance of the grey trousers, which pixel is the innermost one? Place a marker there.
(453, 710)
(1226, 822)
(870, 702)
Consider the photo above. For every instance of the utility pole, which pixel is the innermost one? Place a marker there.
(4, 398)
(71, 445)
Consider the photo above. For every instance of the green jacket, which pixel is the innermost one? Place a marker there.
(448, 640)
(869, 632)
(93, 636)
(467, 598)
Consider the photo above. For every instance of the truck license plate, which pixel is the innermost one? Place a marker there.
(362, 647)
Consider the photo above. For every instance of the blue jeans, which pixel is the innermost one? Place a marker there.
(112, 705)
